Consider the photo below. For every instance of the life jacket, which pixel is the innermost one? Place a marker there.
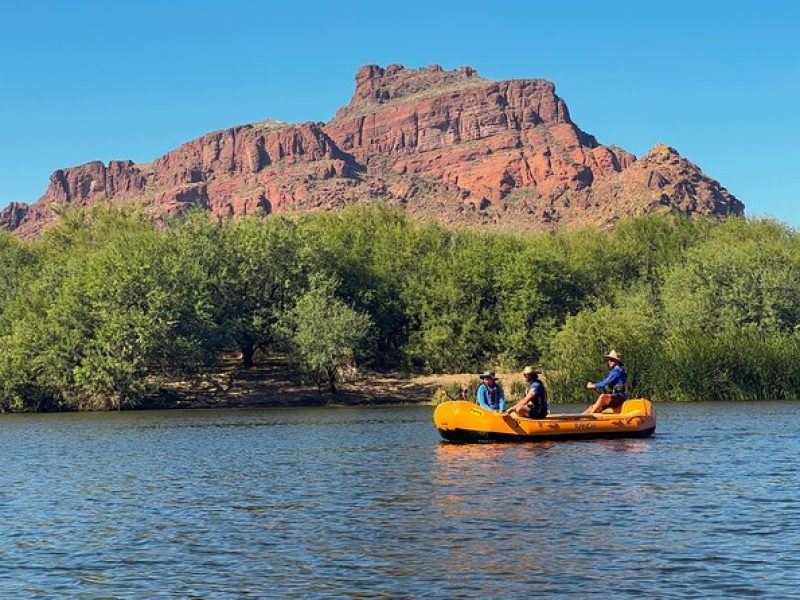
(493, 395)
(620, 389)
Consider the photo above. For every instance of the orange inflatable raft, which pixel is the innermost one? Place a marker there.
(461, 421)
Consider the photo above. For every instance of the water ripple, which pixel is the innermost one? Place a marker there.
(366, 503)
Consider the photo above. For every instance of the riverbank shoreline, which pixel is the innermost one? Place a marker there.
(274, 383)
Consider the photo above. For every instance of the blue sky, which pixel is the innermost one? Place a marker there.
(81, 81)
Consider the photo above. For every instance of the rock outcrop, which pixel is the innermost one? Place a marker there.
(444, 144)
(13, 215)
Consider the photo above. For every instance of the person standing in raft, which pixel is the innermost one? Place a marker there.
(615, 382)
(534, 404)
(490, 394)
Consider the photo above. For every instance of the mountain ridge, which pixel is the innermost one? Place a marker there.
(450, 145)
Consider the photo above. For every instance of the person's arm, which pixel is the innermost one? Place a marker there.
(612, 377)
(525, 400)
(481, 397)
(502, 403)
(530, 396)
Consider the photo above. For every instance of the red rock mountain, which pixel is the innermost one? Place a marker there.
(445, 144)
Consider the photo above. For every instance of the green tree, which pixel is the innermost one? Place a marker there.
(252, 270)
(106, 306)
(630, 326)
(746, 275)
(645, 247)
(18, 264)
(105, 321)
(453, 299)
(324, 333)
(371, 251)
(537, 289)
(731, 311)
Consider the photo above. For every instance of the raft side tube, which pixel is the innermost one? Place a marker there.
(462, 421)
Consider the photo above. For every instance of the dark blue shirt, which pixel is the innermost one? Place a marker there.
(616, 376)
(540, 399)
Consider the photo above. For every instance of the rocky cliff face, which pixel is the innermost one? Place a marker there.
(444, 144)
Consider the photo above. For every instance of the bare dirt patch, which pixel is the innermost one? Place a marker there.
(274, 382)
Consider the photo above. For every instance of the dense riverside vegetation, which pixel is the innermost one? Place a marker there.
(107, 307)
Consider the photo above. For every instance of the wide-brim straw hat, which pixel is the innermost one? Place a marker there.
(488, 374)
(612, 354)
(531, 371)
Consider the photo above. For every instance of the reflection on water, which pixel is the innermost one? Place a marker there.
(353, 502)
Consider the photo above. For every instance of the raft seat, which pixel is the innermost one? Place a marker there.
(633, 405)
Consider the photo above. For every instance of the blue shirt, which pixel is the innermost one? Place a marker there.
(491, 398)
(541, 395)
(616, 376)
(539, 387)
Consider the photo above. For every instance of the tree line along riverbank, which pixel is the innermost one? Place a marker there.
(107, 308)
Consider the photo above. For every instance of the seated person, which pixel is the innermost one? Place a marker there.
(490, 394)
(615, 381)
(534, 404)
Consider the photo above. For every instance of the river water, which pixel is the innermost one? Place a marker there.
(366, 503)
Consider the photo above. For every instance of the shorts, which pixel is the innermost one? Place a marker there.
(536, 412)
(615, 400)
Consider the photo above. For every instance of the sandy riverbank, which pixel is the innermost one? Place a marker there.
(273, 383)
